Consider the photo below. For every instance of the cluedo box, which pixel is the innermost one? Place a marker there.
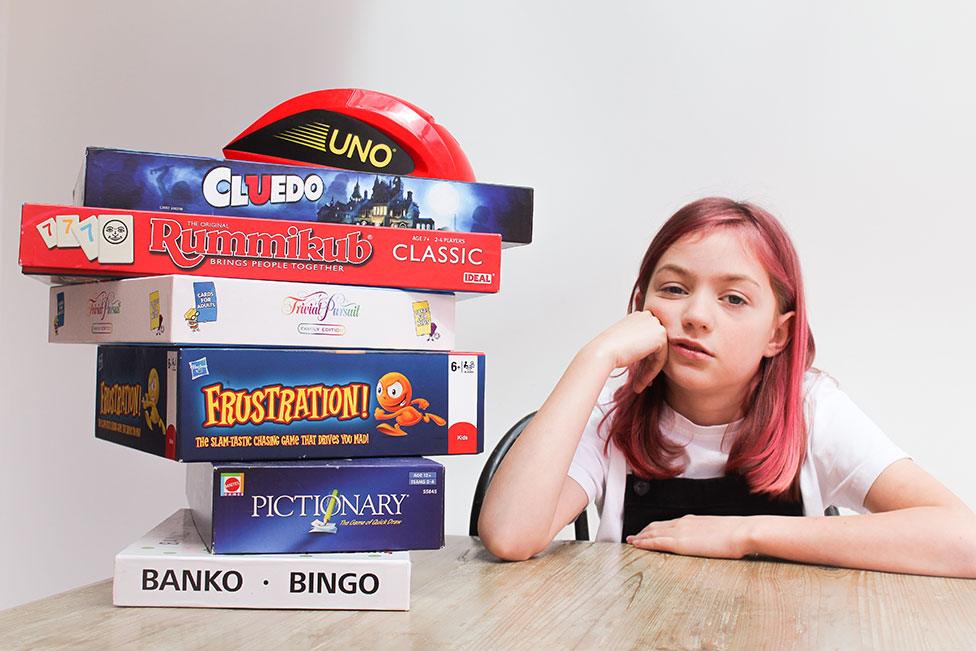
(233, 312)
(346, 505)
(69, 241)
(132, 180)
(232, 404)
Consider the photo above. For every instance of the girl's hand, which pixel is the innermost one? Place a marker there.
(711, 536)
(638, 341)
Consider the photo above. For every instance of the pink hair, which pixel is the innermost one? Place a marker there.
(772, 442)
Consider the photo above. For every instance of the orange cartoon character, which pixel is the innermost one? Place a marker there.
(394, 394)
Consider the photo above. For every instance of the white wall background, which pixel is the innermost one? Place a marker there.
(851, 122)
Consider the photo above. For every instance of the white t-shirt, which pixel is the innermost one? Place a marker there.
(846, 452)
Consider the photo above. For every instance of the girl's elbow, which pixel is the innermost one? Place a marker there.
(963, 566)
(506, 546)
(507, 550)
(963, 551)
(967, 555)
(968, 558)
(969, 572)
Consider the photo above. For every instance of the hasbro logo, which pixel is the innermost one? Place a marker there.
(198, 368)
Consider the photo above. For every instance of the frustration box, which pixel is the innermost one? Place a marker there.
(318, 506)
(232, 404)
(200, 310)
(73, 241)
(170, 566)
(130, 180)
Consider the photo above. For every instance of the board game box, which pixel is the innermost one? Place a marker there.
(343, 505)
(170, 566)
(131, 180)
(67, 241)
(231, 404)
(193, 310)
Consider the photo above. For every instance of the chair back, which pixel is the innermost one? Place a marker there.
(581, 524)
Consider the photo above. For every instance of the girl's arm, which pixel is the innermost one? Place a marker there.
(531, 497)
(916, 526)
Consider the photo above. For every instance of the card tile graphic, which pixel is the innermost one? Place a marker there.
(86, 234)
(116, 238)
(66, 238)
(47, 229)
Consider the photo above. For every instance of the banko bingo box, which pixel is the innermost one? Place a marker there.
(72, 241)
(132, 180)
(347, 505)
(170, 566)
(231, 404)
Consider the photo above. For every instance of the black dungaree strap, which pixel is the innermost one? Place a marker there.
(651, 500)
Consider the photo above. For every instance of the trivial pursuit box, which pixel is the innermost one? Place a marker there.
(228, 311)
(231, 404)
(318, 506)
(78, 242)
(130, 180)
(170, 566)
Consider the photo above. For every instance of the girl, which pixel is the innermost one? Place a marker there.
(721, 431)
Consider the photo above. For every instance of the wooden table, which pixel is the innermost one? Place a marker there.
(582, 595)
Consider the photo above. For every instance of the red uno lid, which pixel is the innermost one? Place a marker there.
(353, 129)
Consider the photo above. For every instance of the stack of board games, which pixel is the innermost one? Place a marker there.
(289, 332)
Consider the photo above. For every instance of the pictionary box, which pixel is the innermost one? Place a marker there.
(193, 310)
(346, 505)
(78, 242)
(170, 566)
(130, 180)
(233, 404)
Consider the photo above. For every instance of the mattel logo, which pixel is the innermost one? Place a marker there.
(478, 278)
(232, 484)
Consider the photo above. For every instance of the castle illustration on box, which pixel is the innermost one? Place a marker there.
(128, 180)
(387, 206)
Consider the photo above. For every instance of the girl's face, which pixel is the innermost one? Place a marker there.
(716, 303)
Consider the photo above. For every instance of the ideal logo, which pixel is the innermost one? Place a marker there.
(232, 484)
(102, 304)
(478, 278)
